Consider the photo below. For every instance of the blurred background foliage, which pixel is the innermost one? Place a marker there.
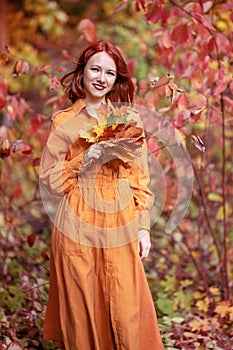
(190, 269)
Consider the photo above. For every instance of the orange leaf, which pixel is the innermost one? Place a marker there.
(172, 91)
(21, 67)
(197, 79)
(158, 82)
(4, 59)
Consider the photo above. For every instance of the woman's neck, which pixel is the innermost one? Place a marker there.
(93, 104)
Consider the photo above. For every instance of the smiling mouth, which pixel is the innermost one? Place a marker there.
(99, 87)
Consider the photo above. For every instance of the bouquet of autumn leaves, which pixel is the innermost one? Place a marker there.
(117, 130)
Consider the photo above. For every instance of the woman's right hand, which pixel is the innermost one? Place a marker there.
(95, 151)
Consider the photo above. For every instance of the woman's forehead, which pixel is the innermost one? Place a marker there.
(102, 59)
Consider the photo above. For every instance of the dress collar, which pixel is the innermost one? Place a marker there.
(78, 106)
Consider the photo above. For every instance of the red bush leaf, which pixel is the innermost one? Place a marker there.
(19, 145)
(35, 124)
(180, 34)
(139, 4)
(3, 93)
(36, 161)
(121, 5)
(221, 73)
(131, 65)
(31, 239)
(152, 12)
(207, 6)
(44, 255)
(89, 30)
(153, 146)
(183, 102)
(221, 86)
(166, 40)
(201, 19)
(26, 149)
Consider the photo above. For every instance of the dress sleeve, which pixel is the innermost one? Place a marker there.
(139, 182)
(57, 173)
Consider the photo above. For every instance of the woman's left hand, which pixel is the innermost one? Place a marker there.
(144, 243)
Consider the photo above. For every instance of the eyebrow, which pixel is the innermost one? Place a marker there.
(110, 70)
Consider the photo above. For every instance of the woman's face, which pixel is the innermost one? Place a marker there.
(99, 77)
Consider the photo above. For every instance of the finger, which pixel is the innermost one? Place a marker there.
(144, 254)
(94, 153)
(143, 249)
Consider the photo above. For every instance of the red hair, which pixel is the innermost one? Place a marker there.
(123, 89)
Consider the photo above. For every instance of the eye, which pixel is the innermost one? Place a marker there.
(95, 69)
(111, 73)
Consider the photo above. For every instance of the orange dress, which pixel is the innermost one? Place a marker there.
(99, 297)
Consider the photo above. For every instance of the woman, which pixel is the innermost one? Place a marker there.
(99, 297)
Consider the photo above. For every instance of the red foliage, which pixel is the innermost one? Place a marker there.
(3, 94)
(89, 30)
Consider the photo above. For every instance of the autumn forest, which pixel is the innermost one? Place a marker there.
(180, 56)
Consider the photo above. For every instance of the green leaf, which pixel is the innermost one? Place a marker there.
(214, 197)
(220, 215)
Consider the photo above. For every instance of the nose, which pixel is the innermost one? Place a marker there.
(101, 77)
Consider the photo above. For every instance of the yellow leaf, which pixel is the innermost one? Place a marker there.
(196, 325)
(99, 129)
(222, 310)
(203, 305)
(180, 138)
(214, 291)
(231, 313)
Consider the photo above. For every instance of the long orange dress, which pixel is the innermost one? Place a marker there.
(99, 297)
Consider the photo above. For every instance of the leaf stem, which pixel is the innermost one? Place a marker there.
(224, 263)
